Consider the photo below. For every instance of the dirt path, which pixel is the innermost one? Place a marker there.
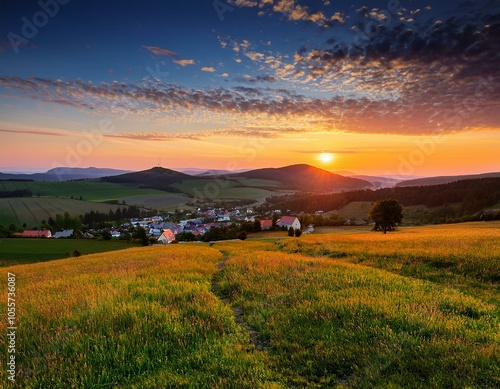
(237, 310)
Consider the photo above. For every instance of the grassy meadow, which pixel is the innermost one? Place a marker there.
(89, 190)
(32, 210)
(417, 308)
(24, 250)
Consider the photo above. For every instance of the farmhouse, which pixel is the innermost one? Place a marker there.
(266, 224)
(63, 234)
(36, 234)
(166, 237)
(289, 221)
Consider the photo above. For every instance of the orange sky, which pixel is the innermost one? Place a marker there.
(265, 85)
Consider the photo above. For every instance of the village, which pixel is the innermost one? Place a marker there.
(170, 227)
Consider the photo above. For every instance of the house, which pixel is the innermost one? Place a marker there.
(36, 234)
(166, 237)
(63, 234)
(266, 224)
(289, 221)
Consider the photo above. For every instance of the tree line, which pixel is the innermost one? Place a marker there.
(474, 195)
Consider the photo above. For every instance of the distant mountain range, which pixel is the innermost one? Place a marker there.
(295, 177)
(445, 179)
(303, 178)
(65, 174)
(379, 182)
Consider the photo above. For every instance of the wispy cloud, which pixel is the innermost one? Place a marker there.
(159, 51)
(32, 132)
(207, 69)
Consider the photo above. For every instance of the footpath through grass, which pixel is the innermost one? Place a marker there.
(143, 319)
(330, 323)
(414, 309)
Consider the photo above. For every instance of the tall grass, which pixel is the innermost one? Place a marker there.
(418, 308)
(331, 323)
(464, 256)
(137, 318)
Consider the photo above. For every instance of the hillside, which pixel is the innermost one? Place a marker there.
(352, 310)
(157, 178)
(305, 178)
(64, 174)
(445, 179)
(473, 195)
(294, 177)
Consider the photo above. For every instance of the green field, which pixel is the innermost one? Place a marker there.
(163, 201)
(416, 308)
(219, 189)
(32, 210)
(89, 190)
(23, 250)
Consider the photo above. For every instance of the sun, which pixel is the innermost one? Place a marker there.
(326, 157)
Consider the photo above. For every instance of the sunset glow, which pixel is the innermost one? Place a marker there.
(249, 84)
(326, 158)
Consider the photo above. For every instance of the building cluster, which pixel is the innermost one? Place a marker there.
(166, 231)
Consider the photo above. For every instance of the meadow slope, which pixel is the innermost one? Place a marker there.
(415, 308)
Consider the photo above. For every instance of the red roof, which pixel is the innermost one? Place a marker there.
(266, 223)
(287, 219)
(36, 234)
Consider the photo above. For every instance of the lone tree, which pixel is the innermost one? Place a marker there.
(386, 214)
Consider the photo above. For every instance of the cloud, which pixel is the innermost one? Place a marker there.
(254, 80)
(327, 151)
(184, 62)
(293, 11)
(31, 132)
(417, 100)
(159, 51)
(153, 136)
(207, 69)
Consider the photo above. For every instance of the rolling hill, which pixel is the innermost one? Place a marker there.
(65, 174)
(306, 178)
(157, 178)
(445, 179)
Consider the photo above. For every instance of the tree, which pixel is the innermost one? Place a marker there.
(140, 235)
(386, 214)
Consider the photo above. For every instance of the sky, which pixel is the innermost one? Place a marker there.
(389, 87)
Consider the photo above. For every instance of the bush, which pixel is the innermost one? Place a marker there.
(298, 233)
(291, 231)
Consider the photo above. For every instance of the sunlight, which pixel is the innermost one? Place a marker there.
(326, 157)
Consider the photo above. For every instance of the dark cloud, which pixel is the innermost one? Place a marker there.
(253, 80)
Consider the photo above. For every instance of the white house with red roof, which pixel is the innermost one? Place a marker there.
(266, 224)
(36, 234)
(289, 221)
(166, 237)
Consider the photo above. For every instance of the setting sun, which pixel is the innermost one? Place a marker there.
(326, 157)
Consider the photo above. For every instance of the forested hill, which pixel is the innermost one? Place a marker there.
(473, 194)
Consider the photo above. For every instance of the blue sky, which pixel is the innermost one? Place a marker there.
(309, 76)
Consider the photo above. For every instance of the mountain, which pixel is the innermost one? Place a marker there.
(157, 177)
(65, 174)
(208, 173)
(305, 178)
(445, 179)
(379, 182)
(302, 178)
